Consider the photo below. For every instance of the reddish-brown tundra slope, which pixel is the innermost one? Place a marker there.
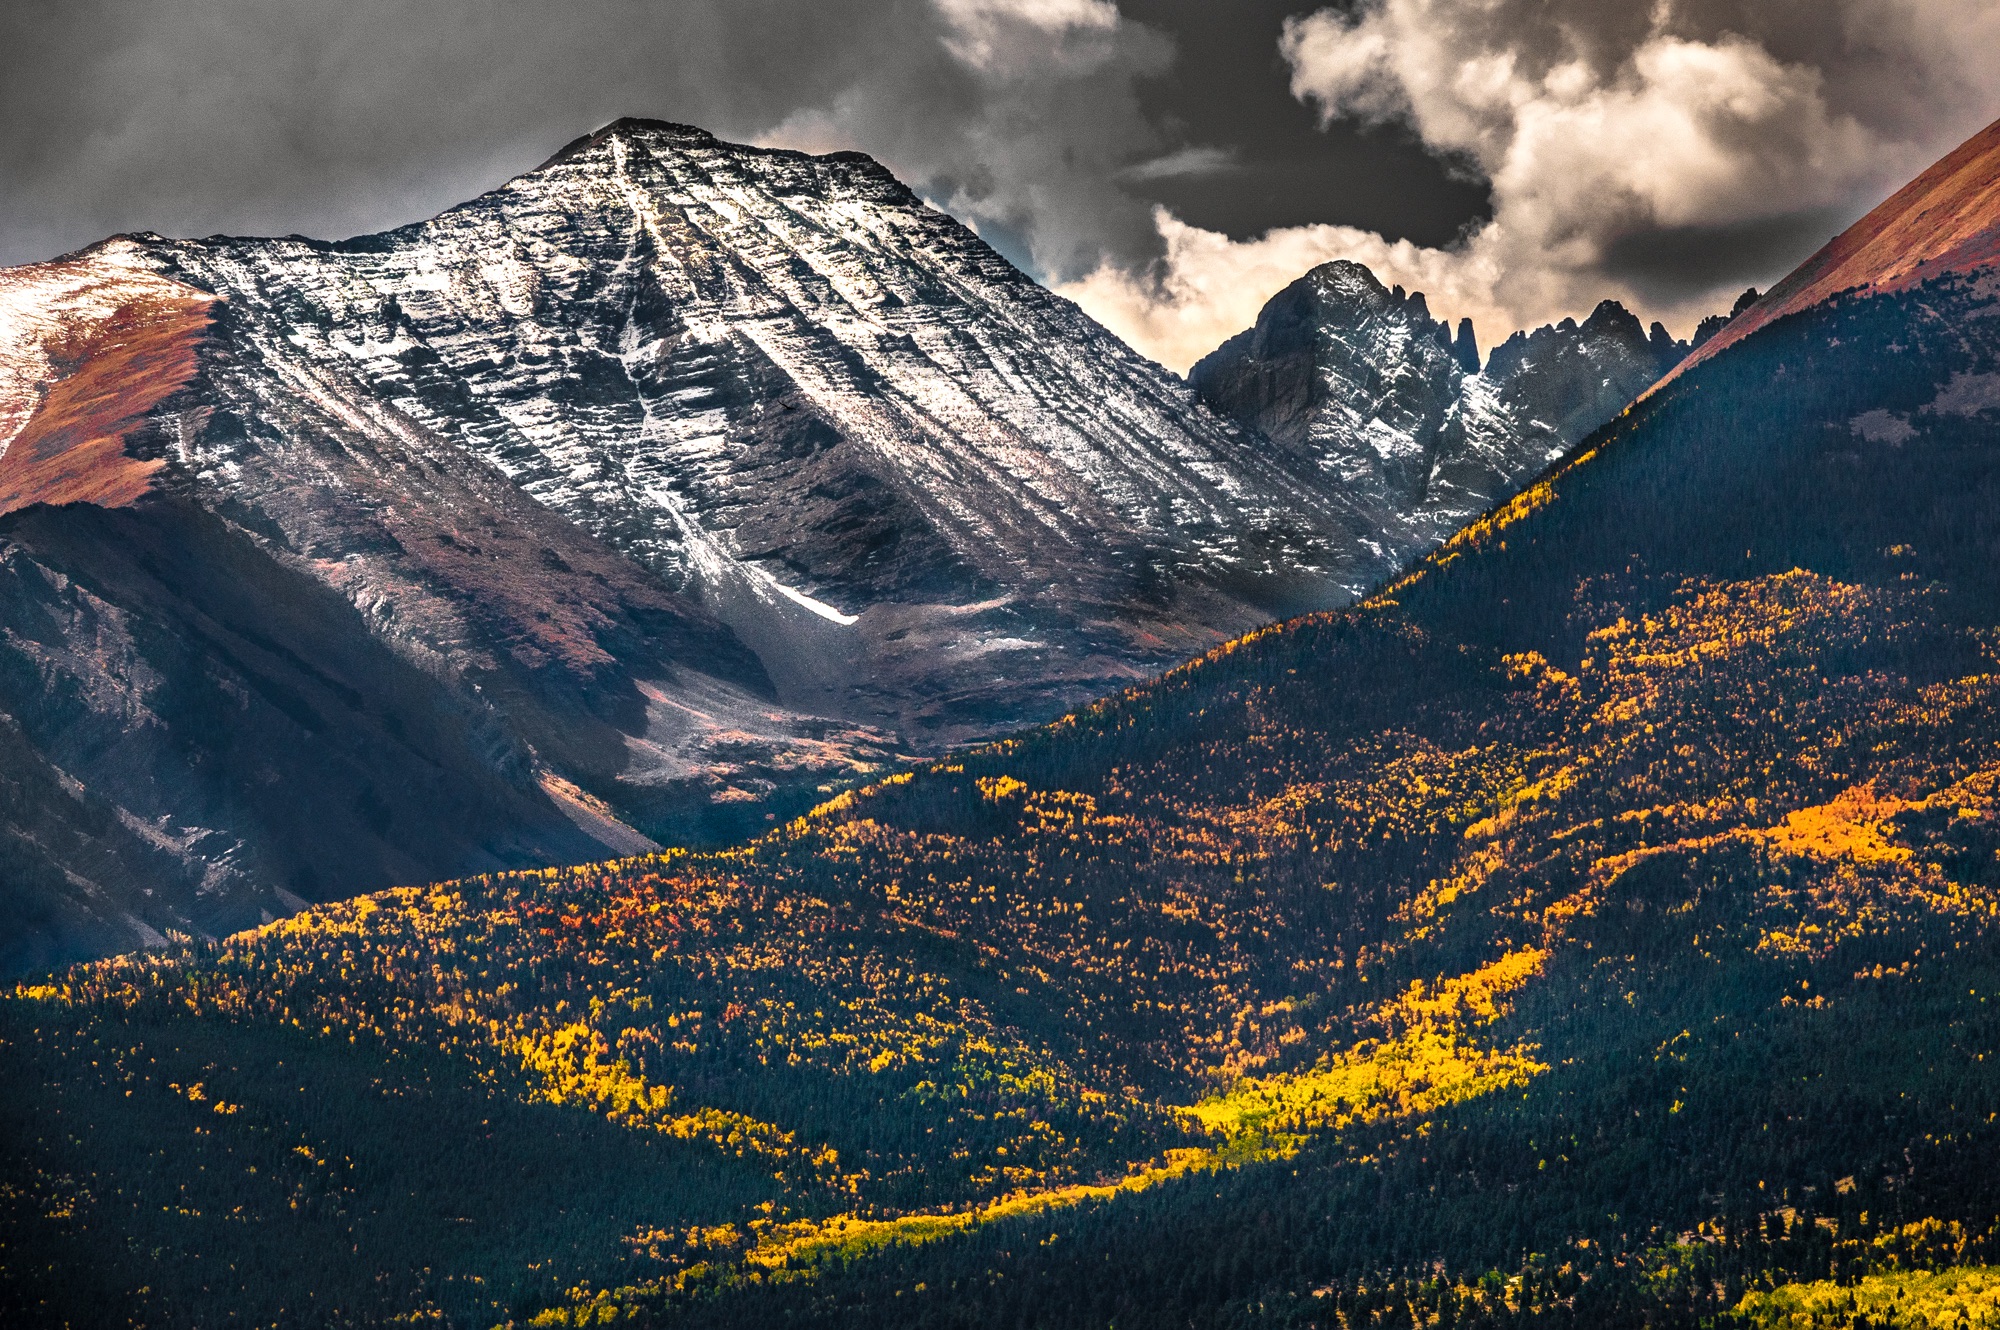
(73, 447)
(1946, 220)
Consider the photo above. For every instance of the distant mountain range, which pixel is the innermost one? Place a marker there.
(649, 498)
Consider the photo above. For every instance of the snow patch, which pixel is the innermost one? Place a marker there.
(1390, 442)
(819, 607)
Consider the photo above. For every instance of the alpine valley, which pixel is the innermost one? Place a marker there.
(1593, 927)
(650, 499)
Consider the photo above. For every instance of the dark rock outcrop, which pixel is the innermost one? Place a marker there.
(1361, 383)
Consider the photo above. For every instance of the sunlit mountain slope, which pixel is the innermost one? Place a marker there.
(1596, 928)
(652, 496)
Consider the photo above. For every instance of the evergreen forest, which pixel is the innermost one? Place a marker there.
(1594, 928)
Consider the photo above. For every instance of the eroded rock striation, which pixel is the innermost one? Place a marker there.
(642, 499)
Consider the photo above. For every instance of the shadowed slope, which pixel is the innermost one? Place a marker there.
(266, 641)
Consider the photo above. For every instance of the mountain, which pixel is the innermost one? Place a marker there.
(1941, 222)
(690, 481)
(928, 493)
(1363, 386)
(653, 495)
(1595, 928)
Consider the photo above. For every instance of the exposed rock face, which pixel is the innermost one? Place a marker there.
(1561, 381)
(928, 493)
(89, 348)
(646, 496)
(1360, 382)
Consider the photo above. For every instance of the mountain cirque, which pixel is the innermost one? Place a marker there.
(647, 496)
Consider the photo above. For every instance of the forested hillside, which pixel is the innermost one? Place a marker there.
(1595, 928)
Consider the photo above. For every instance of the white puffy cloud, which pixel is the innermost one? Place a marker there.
(1619, 140)
(1209, 287)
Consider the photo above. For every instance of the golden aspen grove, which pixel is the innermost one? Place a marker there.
(1596, 927)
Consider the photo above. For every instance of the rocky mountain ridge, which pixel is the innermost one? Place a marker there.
(1363, 385)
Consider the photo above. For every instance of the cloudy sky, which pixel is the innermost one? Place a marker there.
(1168, 163)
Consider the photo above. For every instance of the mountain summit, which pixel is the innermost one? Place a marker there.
(926, 492)
(1366, 389)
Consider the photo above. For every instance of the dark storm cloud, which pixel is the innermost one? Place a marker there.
(1670, 264)
(1659, 149)
(244, 115)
